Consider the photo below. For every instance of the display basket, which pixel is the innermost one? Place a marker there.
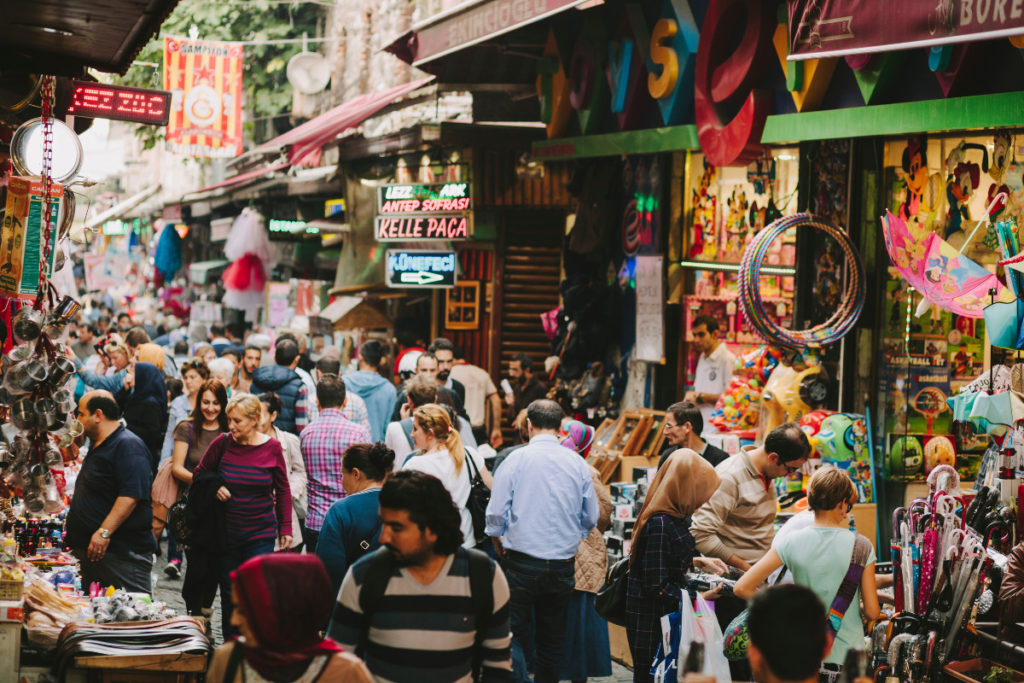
(974, 670)
(11, 589)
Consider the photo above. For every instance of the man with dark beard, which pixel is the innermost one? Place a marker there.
(397, 607)
(250, 363)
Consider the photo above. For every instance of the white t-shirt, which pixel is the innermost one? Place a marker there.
(713, 375)
(440, 465)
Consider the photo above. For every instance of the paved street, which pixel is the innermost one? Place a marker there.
(169, 591)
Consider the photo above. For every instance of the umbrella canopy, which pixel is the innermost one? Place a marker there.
(944, 276)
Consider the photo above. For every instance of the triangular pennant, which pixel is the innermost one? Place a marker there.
(806, 80)
(875, 75)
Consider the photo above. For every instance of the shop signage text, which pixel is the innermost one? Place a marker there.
(820, 28)
(484, 20)
(120, 103)
(415, 269)
(406, 228)
(671, 61)
(417, 211)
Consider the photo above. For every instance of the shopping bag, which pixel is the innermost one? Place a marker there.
(666, 662)
(715, 663)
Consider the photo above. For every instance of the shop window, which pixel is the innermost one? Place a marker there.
(462, 306)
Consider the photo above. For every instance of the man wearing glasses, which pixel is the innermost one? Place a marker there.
(736, 524)
(683, 427)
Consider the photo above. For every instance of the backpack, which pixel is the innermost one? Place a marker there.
(378, 575)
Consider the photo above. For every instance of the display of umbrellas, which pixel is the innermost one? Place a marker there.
(939, 563)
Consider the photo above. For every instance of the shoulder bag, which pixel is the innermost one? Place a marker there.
(610, 601)
(737, 638)
(479, 497)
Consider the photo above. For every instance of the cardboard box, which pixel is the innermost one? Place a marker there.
(12, 612)
(10, 652)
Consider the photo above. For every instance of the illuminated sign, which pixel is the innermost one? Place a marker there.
(116, 227)
(415, 200)
(420, 269)
(413, 212)
(291, 227)
(409, 228)
(120, 103)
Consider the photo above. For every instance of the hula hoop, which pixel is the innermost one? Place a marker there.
(756, 311)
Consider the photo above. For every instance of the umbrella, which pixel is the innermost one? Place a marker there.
(899, 594)
(944, 276)
(1005, 320)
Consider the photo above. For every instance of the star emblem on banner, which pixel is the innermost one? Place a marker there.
(203, 73)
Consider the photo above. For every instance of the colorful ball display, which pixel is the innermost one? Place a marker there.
(938, 451)
(905, 457)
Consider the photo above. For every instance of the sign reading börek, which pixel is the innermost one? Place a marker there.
(421, 212)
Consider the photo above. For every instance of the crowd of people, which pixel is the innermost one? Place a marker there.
(354, 529)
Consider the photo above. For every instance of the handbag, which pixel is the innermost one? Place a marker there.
(479, 497)
(610, 601)
(737, 638)
(177, 521)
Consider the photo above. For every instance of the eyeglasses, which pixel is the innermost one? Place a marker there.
(790, 469)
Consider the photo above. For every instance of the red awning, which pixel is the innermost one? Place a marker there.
(242, 178)
(308, 140)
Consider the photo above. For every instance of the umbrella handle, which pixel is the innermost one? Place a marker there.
(1002, 196)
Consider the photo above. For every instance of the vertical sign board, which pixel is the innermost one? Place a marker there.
(650, 330)
(420, 212)
(420, 269)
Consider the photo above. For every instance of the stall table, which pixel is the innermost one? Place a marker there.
(165, 668)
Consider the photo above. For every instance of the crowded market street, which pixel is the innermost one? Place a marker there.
(453, 341)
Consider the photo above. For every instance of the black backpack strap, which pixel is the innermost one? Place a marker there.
(378, 575)
(481, 581)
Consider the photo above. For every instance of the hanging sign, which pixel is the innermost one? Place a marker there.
(832, 28)
(205, 81)
(650, 330)
(22, 238)
(420, 269)
(421, 211)
(120, 103)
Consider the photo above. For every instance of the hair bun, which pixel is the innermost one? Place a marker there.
(384, 455)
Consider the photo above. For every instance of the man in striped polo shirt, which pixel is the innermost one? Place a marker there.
(422, 608)
(736, 525)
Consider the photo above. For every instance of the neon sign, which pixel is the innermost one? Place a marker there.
(120, 103)
(419, 199)
(414, 269)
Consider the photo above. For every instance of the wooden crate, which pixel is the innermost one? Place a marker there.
(619, 645)
(145, 668)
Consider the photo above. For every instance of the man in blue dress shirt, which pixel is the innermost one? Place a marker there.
(542, 505)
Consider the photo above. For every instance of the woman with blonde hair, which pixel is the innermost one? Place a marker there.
(256, 494)
(831, 494)
(444, 456)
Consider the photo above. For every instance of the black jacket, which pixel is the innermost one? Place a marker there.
(205, 514)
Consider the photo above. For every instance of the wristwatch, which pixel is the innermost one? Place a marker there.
(104, 533)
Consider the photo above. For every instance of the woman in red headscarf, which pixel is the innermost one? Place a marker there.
(280, 601)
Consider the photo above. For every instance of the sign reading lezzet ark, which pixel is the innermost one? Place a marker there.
(421, 212)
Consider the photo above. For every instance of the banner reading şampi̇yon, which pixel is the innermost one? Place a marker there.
(830, 28)
(205, 80)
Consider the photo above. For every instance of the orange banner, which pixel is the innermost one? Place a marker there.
(205, 80)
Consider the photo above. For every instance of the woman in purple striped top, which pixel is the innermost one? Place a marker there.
(256, 492)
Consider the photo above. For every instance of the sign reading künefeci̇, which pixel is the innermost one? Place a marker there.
(424, 212)
(420, 269)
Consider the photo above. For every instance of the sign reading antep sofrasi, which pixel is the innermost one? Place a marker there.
(420, 211)
(420, 269)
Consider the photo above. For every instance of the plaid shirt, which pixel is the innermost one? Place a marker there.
(664, 552)
(355, 410)
(323, 443)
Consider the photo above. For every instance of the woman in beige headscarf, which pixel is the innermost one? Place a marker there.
(663, 551)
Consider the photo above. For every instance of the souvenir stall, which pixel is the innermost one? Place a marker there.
(48, 620)
(949, 424)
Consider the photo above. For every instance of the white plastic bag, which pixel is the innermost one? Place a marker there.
(715, 663)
